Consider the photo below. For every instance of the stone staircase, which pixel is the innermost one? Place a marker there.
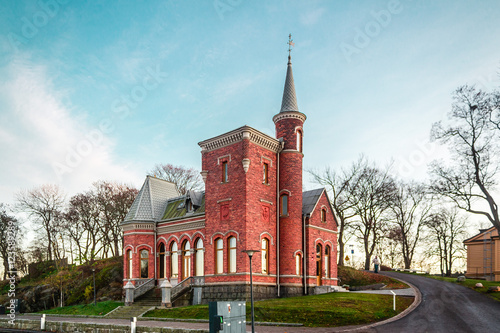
(127, 312)
(149, 300)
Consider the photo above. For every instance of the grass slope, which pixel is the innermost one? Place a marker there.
(326, 310)
(471, 283)
(100, 309)
(353, 277)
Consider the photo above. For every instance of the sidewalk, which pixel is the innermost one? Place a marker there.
(176, 325)
(398, 292)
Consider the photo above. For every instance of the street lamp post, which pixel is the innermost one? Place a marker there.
(93, 275)
(250, 254)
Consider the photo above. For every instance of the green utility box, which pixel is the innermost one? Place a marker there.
(227, 317)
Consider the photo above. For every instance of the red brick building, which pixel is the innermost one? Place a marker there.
(253, 199)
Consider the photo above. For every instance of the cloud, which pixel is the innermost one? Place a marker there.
(42, 141)
(311, 17)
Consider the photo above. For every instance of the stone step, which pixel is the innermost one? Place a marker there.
(128, 311)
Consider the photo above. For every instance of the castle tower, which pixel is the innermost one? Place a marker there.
(289, 127)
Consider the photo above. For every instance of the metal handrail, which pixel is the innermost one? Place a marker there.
(145, 286)
(182, 286)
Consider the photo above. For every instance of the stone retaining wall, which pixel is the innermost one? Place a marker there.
(61, 327)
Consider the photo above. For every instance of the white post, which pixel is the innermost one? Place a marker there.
(393, 300)
(133, 325)
(42, 323)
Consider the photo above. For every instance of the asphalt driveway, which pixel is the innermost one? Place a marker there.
(445, 307)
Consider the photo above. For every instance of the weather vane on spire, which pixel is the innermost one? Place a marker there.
(290, 44)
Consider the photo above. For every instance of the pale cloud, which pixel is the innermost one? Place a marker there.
(311, 17)
(41, 141)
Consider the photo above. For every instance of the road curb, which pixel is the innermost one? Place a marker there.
(413, 306)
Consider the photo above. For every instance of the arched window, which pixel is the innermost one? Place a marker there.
(144, 264)
(299, 140)
(186, 259)
(129, 263)
(174, 260)
(161, 251)
(298, 264)
(219, 256)
(284, 205)
(327, 261)
(200, 261)
(323, 214)
(231, 242)
(265, 256)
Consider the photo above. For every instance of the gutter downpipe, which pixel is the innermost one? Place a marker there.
(155, 254)
(304, 258)
(282, 144)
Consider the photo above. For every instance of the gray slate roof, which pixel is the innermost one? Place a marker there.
(289, 102)
(310, 199)
(152, 199)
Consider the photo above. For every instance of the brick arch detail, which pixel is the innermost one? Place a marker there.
(143, 245)
(223, 235)
(265, 233)
(299, 128)
(298, 252)
(195, 235)
(286, 191)
(169, 240)
(126, 246)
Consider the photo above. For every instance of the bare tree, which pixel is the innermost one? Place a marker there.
(186, 179)
(372, 196)
(84, 211)
(44, 204)
(447, 231)
(338, 185)
(114, 201)
(473, 138)
(9, 239)
(410, 208)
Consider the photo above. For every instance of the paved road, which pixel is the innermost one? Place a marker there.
(446, 307)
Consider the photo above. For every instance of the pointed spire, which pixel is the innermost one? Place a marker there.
(289, 102)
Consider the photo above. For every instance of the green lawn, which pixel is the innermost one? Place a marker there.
(470, 283)
(326, 310)
(100, 309)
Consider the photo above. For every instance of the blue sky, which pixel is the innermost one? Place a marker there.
(104, 90)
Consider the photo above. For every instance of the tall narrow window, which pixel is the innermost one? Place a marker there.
(219, 256)
(174, 260)
(299, 140)
(144, 264)
(129, 260)
(200, 261)
(161, 250)
(284, 205)
(298, 264)
(319, 260)
(186, 260)
(224, 172)
(265, 173)
(265, 256)
(323, 215)
(327, 261)
(231, 242)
